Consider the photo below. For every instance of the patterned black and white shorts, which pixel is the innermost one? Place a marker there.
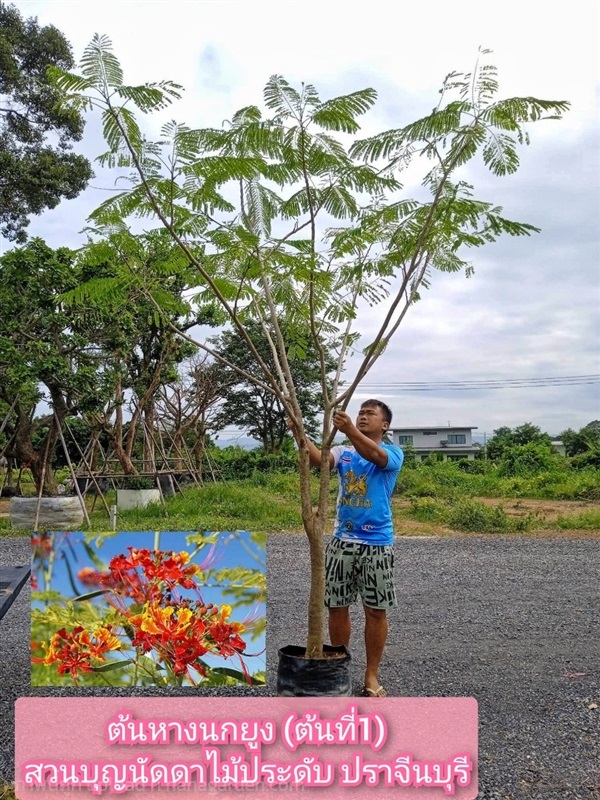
(352, 568)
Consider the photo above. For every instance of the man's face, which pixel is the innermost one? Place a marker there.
(370, 420)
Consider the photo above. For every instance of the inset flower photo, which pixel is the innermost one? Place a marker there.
(144, 608)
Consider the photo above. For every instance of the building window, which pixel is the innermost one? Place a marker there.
(457, 438)
(463, 457)
(429, 433)
(405, 439)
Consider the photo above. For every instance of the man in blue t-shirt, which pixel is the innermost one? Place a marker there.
(360, 558)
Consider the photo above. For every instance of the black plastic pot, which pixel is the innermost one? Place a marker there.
(298, 676)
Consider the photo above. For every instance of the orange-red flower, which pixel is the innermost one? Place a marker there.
(74, 650)
(144, 574)
(176, 631)
(181, 634)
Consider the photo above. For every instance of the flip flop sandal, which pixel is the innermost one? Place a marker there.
(379, 692)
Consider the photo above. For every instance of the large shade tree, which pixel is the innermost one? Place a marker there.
(319, 229)
(37, 166)
(583, 441)
(45, 354)
(505, 438)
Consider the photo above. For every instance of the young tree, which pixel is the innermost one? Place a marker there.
(140, 351)
(266, 257)
(35, 173)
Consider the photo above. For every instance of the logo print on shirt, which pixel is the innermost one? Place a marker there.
(355, 489)
(355, 484)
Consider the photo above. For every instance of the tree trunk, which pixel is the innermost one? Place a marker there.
(122, 456)
(94, 450)
(115, 434)
(30, 458)
(178, 442)
(45, 479)
(314, 525)
(149, 451)
(199, 447)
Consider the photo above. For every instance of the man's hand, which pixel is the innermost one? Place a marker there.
(343, 422)
(313, 451)
(293, 427)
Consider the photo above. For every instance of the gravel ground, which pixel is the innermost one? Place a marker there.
(513, 622)
(503, 619)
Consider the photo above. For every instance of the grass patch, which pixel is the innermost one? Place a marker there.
(585, 521)
(464, 514)
(264, 502)
(446, 479)
(441, 493)
(239, 505)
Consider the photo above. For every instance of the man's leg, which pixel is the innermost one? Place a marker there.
(376, 587)
(376, 629)
(339, 625)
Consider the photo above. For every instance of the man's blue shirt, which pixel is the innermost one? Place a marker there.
(364, 511)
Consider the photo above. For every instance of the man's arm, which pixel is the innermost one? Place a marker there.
(364, 446)
(313, 451)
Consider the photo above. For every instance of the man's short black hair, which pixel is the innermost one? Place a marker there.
(385, 409)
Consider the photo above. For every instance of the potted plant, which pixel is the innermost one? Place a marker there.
(269, 259)
(138, 492)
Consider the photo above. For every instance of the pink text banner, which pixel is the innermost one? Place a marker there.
(417, 748)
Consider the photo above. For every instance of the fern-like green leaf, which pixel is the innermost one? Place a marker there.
(282, 97)
(500, 154)
(151, 96)
(220, 169)
(339, 114)
(67, 82)
(117, 123)
(339, 202)
(100, 66)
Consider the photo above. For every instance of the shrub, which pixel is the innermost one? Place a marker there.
(527, 459)
(464, 514)
(469, 515)
(235, 463)
(475, 466)
(424, 509)
(585, 460)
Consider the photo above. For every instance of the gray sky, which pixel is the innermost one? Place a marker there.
(531, 308)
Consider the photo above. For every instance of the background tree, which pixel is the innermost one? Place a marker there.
(505, 437)
(140, 351)
(187, 409)
(37, 168)
(528, 459)
(582, 441)
(42, 345)
(253, 407)
(267, 257)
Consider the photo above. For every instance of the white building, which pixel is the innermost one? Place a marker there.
(451, 441)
